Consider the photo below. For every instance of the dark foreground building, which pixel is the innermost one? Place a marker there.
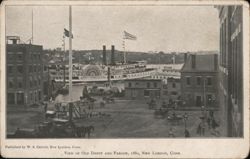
(231, 69)
(24, 69)
(199, 81)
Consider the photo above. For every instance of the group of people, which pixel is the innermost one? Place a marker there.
(208, 122)
(213, 125)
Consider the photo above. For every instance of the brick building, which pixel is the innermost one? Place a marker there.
(199, 80)
(24, 74)
(171, 91)
(143, 88)
(231, 69)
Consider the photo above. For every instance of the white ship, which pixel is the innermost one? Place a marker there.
(102, 73)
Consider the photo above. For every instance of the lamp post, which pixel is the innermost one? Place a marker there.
(185, 117)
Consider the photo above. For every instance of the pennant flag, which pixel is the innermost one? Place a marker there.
(129, 36)
(66, 33)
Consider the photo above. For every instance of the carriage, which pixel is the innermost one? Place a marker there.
(175, 119)
(161, 113)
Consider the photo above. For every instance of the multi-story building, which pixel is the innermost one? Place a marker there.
(231, 69)
(143, 88)
(171, 91)
(199, 81)
(24, 69)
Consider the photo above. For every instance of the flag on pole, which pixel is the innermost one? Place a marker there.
(129, 36)
(66, 33)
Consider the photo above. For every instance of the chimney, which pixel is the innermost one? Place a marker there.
(185, 57)
(104, 60)
(14, 41)
(193, 61)
(112, 55)
(215, 62)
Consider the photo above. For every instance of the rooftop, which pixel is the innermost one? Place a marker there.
(206, 62)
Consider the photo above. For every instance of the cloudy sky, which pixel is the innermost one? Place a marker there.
(158, 28)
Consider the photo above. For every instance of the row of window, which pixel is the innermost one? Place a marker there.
(20, 68)
(20, 83)
(20, 56)
(171, 93)
(199, 81)
(155, 93)
(154, 84)
(35, 68)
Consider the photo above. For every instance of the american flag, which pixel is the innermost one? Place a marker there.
(66, 33)
(129, 36)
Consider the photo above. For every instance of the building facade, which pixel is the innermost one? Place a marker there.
(199, 81)
(143, 88)
(171, 91)
(24, 71)
(231, 69)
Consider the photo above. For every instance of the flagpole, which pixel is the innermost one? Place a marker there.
(124, 52)
(70, 54)
(32, 28)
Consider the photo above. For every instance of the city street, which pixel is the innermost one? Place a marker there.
(128, 119)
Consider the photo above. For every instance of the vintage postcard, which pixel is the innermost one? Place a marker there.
(124, 79)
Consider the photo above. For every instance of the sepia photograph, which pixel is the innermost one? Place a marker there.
(124, 71)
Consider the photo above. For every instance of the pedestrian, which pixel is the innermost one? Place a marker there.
(171, 133)
(199, 130)
(202, 127)
(215, 127)
(187, 134)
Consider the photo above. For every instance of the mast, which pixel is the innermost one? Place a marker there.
(63, 45)
(124, 52)
(70, 54)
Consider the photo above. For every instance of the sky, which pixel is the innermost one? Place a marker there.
(157, 28)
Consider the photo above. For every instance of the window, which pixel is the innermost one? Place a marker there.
(188, 81)
(155, 84)
(198, 81)
(10, 69)
(10, 84)
(34, 68)
(10, 56)
(148, 85)
(165, 86)
(30, 69)
(146, 93)
(20, 56)
(39, 95)
(174, 93)
(209, 81)
(129, 84)
(31, 83)
(31, 96)
(11, 98)
(20, 83)
(173, 85)
(20, 69)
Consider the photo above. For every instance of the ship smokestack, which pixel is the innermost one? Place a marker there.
(185, 57)
(104, 59)
(113, 55)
